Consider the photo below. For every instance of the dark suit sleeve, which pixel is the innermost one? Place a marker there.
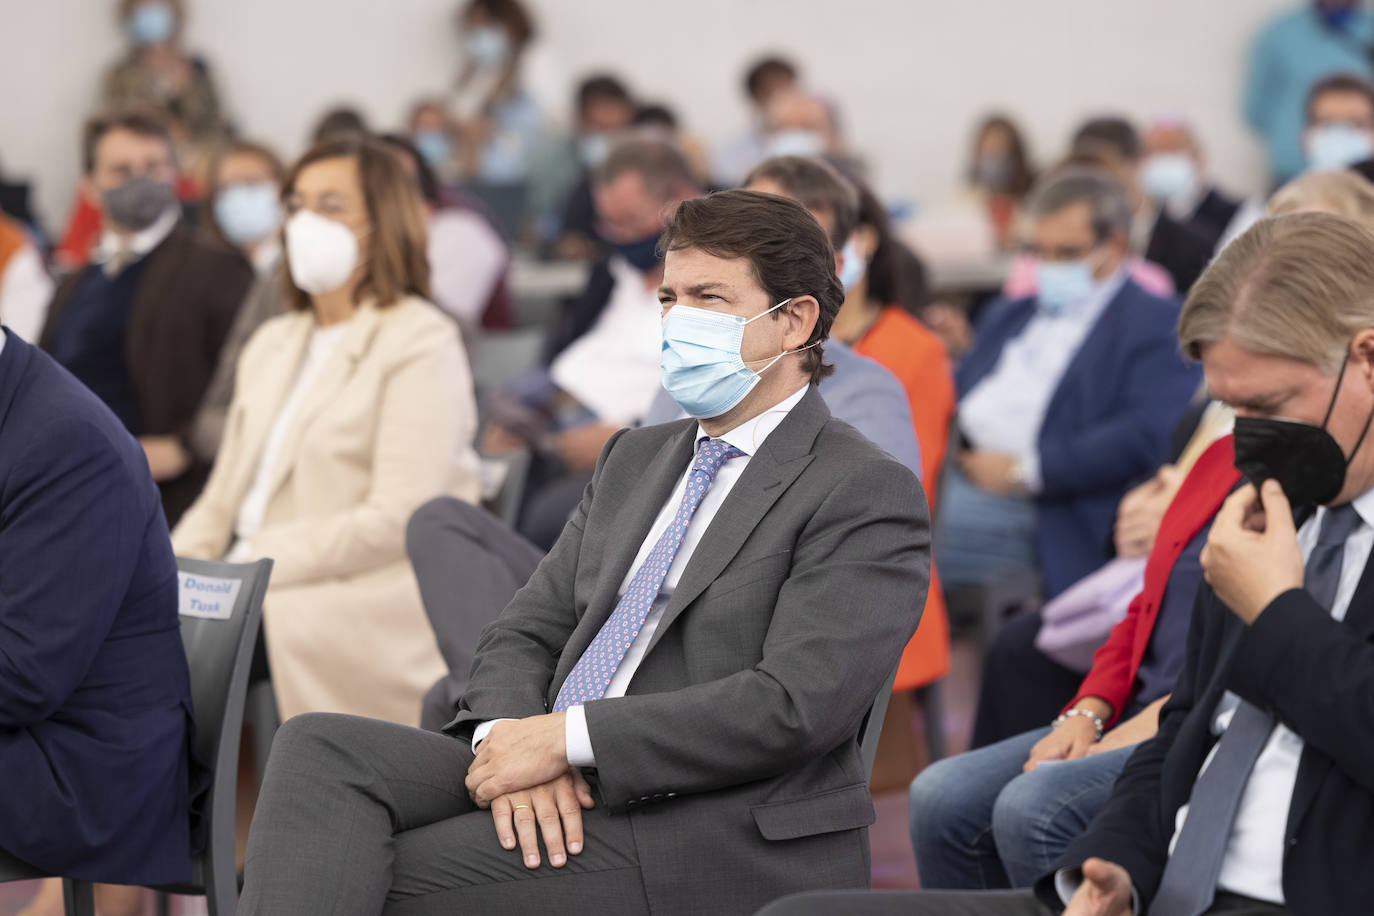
(1316, 674)
(1156, 385)
(1132, 830)
(67, 552)
(517, 653)
(859, 575)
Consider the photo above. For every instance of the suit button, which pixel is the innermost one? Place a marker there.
(672, 795)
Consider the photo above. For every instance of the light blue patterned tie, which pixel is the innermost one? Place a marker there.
(592, 674)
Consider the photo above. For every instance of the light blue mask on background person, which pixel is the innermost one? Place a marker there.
(487, 45)
(852, 266)
(1059, 284)
(795, 142)
(702, 366)
(1168, 176)
(1337, 146)
(151, 23)
(248, 213)
(434, 147)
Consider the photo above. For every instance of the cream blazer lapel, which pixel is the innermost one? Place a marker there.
(335, 373)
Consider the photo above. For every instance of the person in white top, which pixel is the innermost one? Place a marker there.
(350, 411)
(25, 287)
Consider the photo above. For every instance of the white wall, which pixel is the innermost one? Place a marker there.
(911, 75)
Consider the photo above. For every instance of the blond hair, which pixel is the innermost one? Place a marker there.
(1343, 193)
(1299, 286)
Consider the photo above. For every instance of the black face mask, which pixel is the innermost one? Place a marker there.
(1305, 459)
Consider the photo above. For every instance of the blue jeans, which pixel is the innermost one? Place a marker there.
(982, 537)
(978, 822)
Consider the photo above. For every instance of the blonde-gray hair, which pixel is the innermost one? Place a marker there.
(1298, 286)
(1342, 192)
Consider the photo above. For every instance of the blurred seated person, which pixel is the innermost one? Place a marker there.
(245, 211)
(1000, 174)
(1065, 400)
(349, 412)
(737, 158)
(1156, 235)
(25, 287)
(1339, 129)
(337, 123)
(798, 123)
(1173, 174)
(468, 255)
(143, 326)
(435, 135)
(95, 697)
(158, 73)
(660, 117)
(561, 181)
(993, 817)
(1025, 680)
(499, 123)
(601, 365)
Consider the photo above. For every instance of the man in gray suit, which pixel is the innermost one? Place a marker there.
(672, 703)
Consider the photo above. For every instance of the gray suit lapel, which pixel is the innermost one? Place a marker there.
(624, 535)
(784, 455)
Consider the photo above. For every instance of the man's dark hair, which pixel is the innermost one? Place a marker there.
(782, 241)
(339, 121)
(764, 69)
(816, 185)
(140, 121)
(1340, 83)
(602, 87)
(1114, 132)
(646, 151)
(510, 13)
(655, 115)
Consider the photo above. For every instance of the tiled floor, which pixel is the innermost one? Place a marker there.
(894, 866)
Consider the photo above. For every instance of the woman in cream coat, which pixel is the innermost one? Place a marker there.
(349, 413)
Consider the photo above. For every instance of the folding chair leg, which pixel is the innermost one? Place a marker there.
(933, 713)
(78, 897)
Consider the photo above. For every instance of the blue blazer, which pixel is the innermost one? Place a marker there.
(1108, 423)
(95, 697)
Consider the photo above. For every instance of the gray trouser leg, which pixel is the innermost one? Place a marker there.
(908, 903)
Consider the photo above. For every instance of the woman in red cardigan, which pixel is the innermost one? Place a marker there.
(999, 816)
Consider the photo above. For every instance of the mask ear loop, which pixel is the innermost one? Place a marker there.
(1332, 406)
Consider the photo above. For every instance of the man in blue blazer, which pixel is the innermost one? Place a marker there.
(95, 700)
(1065, 399)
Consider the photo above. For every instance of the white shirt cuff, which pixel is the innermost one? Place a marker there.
(479, 733)
(1067, 881)
(1030, 471)
(578, 740)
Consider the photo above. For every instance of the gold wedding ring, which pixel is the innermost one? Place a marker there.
(518, 807)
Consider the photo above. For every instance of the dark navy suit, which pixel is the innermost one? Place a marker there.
(1108, 423)
(95, 708)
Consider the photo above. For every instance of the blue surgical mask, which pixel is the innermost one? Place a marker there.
(641, 255)
(702, 366)
(1059, 284)
(795, 142)
(1168, 176)
(151, 23)
(1332, 147)
(248, 213)
(487, 45)
(592, 149)
(853, 266)
(434, 146)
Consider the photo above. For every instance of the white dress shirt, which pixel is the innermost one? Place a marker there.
(1004, 412)
(613, 369)
(254, 506)
(747, 437)
(2, 340)
(25, 291)
(1254, 855)
(131, 248)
